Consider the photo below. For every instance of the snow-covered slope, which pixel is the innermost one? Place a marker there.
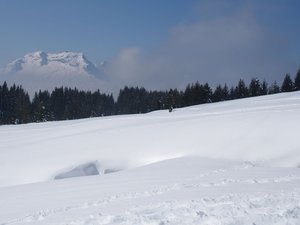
(188, 190)
(218, 163)
(45, 71)
(256, 129)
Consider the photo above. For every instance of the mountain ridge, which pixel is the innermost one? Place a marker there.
(61, 63)
(44, 71)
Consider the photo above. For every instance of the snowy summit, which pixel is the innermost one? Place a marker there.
(62, 63)
(45, 71)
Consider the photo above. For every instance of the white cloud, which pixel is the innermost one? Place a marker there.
(126, 65)
(215, 50)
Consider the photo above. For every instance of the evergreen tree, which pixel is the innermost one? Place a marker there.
(287, 84)
(274, 88)
(4, 99)
(264, 88)
(22, 106)
(178, 98)
(297, 80)
(255, 87)
(232, 94)
(187, 96)
(58, 103)
(241, 91)
(41, 107)
(199, 94)
(225, 93)
(218, 94)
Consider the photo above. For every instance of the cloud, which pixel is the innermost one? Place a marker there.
(126, 65)
(33, 83)
(217, 49)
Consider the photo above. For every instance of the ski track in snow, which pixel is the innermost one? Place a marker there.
(226, 209)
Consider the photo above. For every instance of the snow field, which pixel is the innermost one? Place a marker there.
(227, 163)
(198, 191)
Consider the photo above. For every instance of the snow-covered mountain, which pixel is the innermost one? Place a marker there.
(232, 162)
(40, 70)
(61, 63)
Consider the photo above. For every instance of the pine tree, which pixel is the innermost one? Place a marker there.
(41, 111)
(232, 94)
(58, 103)
(255, 87)
(218, 94)
(241, 91)
(274, 88)
(5, 104)
(297, 80)
(187, 97)
(22, 106)
(225, 93)
(264, 88)
(287, 84)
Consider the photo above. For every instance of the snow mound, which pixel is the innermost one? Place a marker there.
(87, 169)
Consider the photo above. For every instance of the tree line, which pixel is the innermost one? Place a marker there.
(16, 107)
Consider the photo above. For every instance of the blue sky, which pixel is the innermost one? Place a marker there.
(97, 27)
(160, 43)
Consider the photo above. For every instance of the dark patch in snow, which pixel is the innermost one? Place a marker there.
(87, 169)
(111, 171)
